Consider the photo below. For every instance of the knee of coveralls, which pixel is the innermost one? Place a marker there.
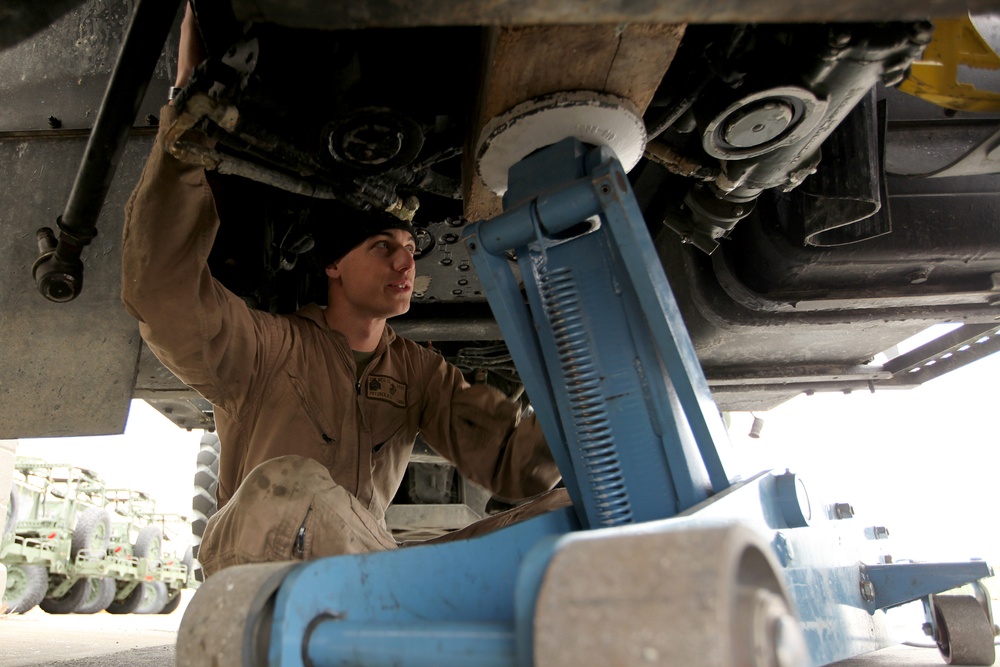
(289, 508)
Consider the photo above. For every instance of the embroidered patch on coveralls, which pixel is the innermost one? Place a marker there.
(386, 389)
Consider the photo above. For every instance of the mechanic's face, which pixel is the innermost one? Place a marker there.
(375, 279)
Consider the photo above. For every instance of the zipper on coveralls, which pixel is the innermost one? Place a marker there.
(364, 374)
(300, 537)
(305, 403)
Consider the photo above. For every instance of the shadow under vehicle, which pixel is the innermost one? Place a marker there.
(808, 213)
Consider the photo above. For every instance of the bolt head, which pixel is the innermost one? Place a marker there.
(868, 590)
(844, 510)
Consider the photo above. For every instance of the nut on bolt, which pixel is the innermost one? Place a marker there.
(843, 510)
(58, 279)
(867, 590)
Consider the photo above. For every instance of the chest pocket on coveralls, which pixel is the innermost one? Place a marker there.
(387, 404)
(325, 433)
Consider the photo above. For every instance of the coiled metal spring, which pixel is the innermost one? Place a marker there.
(561, 302)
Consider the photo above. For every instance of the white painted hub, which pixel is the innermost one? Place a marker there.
(593, 118)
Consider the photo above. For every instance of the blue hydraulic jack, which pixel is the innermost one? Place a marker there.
(666, 556)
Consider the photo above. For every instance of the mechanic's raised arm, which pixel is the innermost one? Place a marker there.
(198, 329)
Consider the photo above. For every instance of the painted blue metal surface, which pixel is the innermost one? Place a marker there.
(601, 344)
(893, 584)
(616, 385)
(793, 500)
(825, 564)
(435, 604)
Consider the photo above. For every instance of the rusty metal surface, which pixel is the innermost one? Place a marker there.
(19, 21)
(65, 369)
(62, 71)
(410, 13)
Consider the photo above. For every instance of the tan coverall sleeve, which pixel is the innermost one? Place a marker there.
(482, 432)
(203, 333)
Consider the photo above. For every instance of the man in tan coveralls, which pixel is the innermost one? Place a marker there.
(317, 412)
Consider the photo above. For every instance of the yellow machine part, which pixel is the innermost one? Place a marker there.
(935, 76)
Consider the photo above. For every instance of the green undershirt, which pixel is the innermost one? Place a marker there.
(361, 360)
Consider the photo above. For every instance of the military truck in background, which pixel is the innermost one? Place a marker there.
(72, 544)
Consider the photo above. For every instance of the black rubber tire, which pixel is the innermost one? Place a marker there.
(69, 602)
(188, 560)
(174, 595)
(10, 525)
(26, 587)
(154, 597)
(963, 634)
(204, 503)
(130, 603)
(172, 603)
(92, 531)
(149, 545)
(101, 593)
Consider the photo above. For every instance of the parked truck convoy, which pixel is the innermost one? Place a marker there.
(73, 544)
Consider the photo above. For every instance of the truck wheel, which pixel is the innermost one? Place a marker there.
(10, 524)
(154, 597)
(100, 594)
(69, 602)
(149, 545)
(92, 532)
(174, 596)
(172, 603)
(131, 601)
(188, 560)
(203, 504)
(26, 587)
(963, 631)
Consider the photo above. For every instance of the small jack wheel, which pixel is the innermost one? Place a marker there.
(700, 595)
(228, 621)
(962, 630)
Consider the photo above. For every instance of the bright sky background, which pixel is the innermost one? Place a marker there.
(153, 456)
(922, 462)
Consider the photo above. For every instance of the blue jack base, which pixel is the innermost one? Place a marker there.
(697, 590)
